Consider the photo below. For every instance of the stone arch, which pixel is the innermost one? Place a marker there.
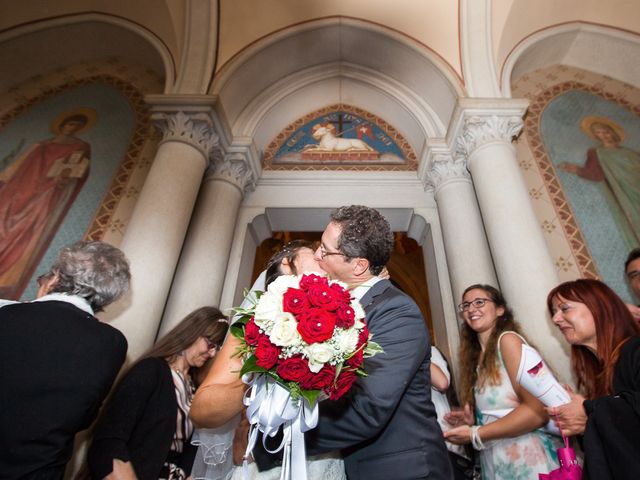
(333, 60)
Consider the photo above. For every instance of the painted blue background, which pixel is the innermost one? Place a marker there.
(566, 142)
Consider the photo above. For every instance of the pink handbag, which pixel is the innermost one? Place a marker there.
(569, 468)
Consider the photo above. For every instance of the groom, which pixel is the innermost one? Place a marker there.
(386, 428)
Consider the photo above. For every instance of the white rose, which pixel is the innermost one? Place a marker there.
(346, 340)
(285, 330)
(282, 284)
(269, 306)
(318, 354)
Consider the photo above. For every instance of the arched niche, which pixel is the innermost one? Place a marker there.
(68, 40)
(600, 49)
(336, 60)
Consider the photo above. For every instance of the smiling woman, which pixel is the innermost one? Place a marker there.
(605, 356)
(511, 445)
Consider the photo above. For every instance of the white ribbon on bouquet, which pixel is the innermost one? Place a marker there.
(270, 406)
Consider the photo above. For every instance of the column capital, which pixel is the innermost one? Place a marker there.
(443, 167)
(476, 122)
(191, 128)
(234, 168)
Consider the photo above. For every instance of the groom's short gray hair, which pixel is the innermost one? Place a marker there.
(365, 234)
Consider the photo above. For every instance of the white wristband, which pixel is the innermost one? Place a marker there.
(476, 441)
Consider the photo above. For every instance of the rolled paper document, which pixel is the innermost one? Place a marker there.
(535, 377)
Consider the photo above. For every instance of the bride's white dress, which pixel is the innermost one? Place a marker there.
(214, 460)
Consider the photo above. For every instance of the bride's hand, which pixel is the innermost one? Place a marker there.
(459, 435)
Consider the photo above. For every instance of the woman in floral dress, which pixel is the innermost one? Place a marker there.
(507, 426)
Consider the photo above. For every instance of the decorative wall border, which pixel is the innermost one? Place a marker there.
(114, 192)
(411, 163)
(559, 201)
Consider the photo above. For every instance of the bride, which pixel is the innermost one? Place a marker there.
(217, 405)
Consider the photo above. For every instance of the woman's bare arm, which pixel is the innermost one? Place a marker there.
(219, 398)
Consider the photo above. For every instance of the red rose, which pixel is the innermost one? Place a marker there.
(307, 281)
(323, 379)
(316, 325)
(266, 353)
(294, 301)
(323, 297)
(356, 359)
(251, 333)
(345, 316)
(343, 384)
(363, 338)
(294, 369)
(341, 293)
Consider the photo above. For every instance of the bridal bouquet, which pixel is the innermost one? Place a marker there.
(308, 334)
(302, 338)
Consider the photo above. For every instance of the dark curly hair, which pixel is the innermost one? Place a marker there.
(365, 234)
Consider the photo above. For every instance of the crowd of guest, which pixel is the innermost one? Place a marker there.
(59, 363)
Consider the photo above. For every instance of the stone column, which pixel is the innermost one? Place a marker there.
(468, 256)
(156, 231)
(201, 272)
(524, 266)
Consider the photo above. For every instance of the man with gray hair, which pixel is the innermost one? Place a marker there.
(57, 361)
(386, 427)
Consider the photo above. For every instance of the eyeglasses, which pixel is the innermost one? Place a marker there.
(634, 275)
(477, 303)
(211, 344)
(324, 253)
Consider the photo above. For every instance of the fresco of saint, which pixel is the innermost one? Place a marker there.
(36, 191)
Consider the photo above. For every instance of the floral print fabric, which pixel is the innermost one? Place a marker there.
(517, 458)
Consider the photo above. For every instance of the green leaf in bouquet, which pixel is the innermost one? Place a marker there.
(372, 349)
(311, 396)
(251, 366)
(237, 327)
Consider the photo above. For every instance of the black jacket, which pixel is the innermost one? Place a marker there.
(57, 364)
(139, 422)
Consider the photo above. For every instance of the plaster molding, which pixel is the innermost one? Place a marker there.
(476, 46)
(198, 46)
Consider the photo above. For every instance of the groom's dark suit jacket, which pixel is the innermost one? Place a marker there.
(386, 427)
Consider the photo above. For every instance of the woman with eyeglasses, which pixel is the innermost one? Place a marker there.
(145, 430)
(506, 427)
(605, 358)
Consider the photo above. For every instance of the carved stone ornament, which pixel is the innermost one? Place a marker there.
(233, 168)
(192, 129)
(445, 168)
(479, 130)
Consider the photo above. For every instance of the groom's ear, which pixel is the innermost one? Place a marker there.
(361, 266)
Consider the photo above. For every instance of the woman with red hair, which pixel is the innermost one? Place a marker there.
(605, 357)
